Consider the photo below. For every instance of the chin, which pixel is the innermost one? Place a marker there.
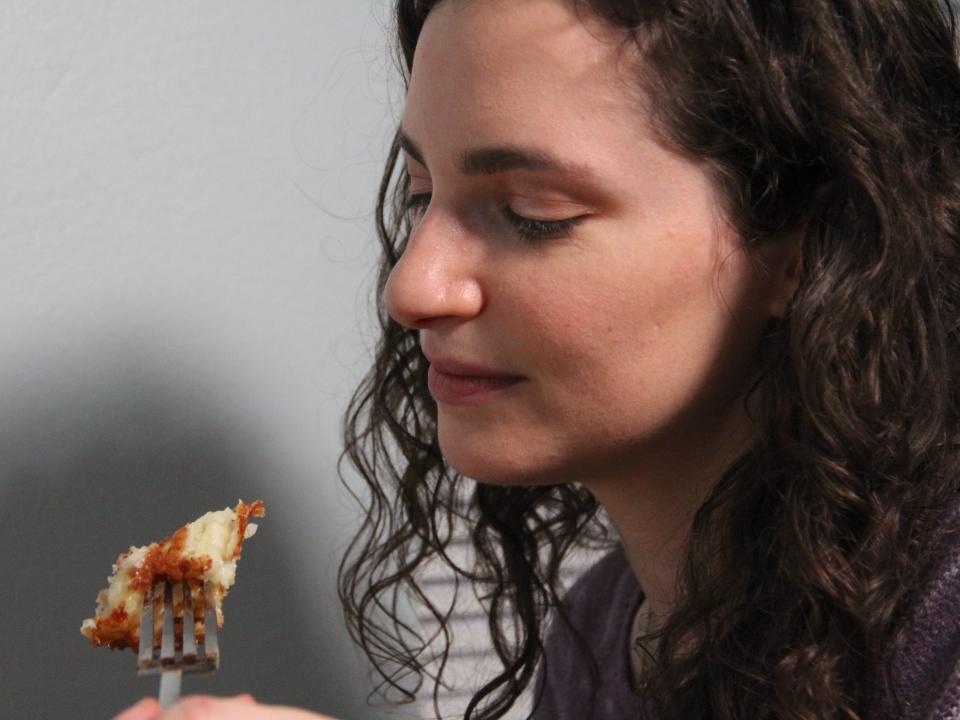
(486, 472)
(484, 464)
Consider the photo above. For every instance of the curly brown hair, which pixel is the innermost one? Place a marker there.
(840, 117)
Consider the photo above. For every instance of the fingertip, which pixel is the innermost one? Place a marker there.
(245, 697)
(146, 709)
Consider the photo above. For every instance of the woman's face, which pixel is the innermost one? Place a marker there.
(628, 334)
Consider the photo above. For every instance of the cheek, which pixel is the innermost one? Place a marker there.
(626, 346)
(606, 316)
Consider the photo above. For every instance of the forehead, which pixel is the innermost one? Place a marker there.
(524, 73)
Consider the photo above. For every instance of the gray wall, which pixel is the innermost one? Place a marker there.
(186, 244)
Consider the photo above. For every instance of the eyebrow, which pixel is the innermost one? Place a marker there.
(502, 158)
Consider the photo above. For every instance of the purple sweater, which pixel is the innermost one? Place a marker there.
(602, 603)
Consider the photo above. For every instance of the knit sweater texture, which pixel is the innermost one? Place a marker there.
(924, 655)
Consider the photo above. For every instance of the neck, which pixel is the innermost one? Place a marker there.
(652, 507)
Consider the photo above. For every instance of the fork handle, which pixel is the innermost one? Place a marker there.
(169, 687)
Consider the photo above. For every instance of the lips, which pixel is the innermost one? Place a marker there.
(461, 382)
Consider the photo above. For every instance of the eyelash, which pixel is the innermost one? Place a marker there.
(530, 230)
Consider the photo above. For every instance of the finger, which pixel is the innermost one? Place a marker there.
(146, 709)
(243, 707)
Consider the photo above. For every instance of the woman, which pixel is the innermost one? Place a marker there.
(690, 266)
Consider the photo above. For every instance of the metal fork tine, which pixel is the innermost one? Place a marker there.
(167, 643)
(211, 648)
(145, 656)
(177, 593)
(189, 641)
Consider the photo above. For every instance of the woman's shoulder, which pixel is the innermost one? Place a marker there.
(599, 605)
(607, 578)
(925, 656)
(925, 653)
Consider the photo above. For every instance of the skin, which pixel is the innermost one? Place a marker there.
(635, 332)
(204, 707)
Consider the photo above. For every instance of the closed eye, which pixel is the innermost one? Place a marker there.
(529, 229)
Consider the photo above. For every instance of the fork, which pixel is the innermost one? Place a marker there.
(188, 642)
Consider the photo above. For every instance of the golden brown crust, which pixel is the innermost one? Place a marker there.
(244, 512)
(164, 561)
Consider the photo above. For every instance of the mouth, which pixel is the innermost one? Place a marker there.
(456, 389)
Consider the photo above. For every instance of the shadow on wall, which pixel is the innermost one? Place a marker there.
(117, 462)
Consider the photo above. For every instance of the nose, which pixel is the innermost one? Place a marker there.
(435, 277)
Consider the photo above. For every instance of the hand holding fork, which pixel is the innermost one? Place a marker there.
(188, 643)
(203, 707)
